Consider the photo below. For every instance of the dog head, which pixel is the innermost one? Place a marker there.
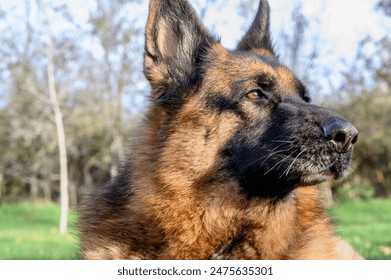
(237, 114)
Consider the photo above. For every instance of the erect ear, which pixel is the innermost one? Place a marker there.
(258, 35)
(175, 42)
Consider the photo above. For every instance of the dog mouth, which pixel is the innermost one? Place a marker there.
(316, 177)
(274, 171)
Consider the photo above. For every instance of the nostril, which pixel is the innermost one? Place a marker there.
(341, 133)
(342, 141)
(339, 137)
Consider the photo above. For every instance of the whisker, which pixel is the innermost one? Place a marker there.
(264, 158)
(279, 163)
(282, 141)
(275, 153)
(290, 166)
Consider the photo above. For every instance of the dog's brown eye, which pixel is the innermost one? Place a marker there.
(254, 94)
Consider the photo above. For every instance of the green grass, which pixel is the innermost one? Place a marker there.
(30, 231)
(366, 225)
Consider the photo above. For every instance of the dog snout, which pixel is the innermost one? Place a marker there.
(341, 133)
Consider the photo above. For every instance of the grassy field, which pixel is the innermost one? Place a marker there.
(30, 231)
(366, 225)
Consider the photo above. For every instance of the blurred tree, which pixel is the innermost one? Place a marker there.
(365, 99)
(115, 32)
(58, 119)
(24, 127)
(91, 97)
(384, 6)
(300, 49)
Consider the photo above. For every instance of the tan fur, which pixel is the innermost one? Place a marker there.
(263, 52)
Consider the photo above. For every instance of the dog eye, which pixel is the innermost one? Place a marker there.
(255, 94)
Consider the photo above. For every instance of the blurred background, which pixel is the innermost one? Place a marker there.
(72, 91)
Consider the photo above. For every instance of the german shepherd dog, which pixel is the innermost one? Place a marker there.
(228, 158)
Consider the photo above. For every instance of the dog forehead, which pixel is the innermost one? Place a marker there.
(227, 67)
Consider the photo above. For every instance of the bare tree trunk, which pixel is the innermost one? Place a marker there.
(72, 194)
(47, 193)
(64, 196)
(34, 188)
(112, 114)
(1, 184)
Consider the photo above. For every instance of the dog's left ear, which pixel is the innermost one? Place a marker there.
(258, 36)
(175, 42)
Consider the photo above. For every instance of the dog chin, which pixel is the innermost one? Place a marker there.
(319, 177)
(322, 176)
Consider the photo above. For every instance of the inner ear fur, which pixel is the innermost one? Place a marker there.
(175, 41)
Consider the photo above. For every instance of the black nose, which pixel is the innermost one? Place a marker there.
(341, 133)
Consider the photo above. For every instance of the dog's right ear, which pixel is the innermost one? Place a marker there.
(258, 36)
(175, 42)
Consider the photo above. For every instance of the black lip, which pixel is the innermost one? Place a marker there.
(318, 177)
